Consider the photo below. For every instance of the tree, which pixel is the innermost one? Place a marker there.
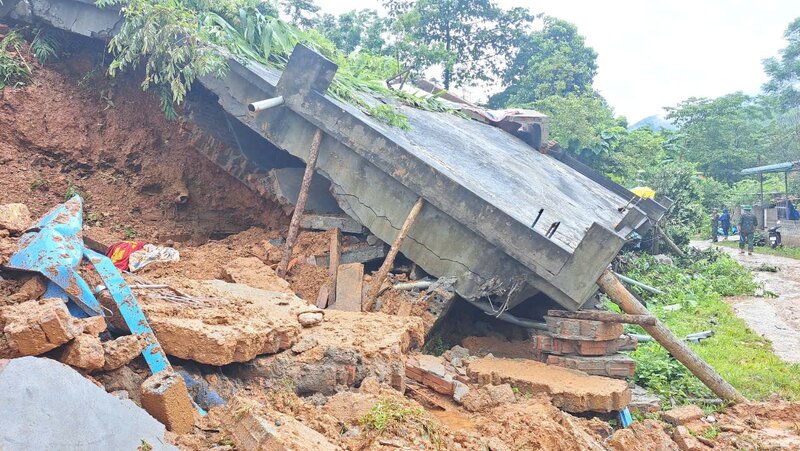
(784, 73)
(355, 30)
(300, 12)
(726, 134)
(552, 61)
(470, 38)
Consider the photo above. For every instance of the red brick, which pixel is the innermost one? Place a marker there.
(686, 441)
(618, 365)
(581, 329)
(552, 345)
(680, 416)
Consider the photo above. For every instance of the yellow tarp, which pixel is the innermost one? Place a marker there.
(645, 192)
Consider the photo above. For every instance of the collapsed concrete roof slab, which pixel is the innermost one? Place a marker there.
(484, 188)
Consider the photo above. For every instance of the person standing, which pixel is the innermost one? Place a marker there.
(725, 221)
(714, 225)
(747, 229)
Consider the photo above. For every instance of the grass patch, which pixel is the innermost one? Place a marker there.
(388, 413)
(697, 283)
(789, 252)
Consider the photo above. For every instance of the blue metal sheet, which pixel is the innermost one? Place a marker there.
(780, 167)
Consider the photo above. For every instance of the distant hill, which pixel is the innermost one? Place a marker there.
(655, 122)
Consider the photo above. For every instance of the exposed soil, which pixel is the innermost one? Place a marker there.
(776, 318)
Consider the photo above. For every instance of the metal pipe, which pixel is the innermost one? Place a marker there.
(638, 284)
(509, 318)
(265, 104)
(408, 286)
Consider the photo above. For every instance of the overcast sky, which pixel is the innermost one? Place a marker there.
(653, 54)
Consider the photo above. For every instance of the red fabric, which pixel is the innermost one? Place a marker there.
(119, 253)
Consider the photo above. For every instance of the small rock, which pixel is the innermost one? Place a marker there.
(15, 218)
(317, 399)
(309, 319)
(456, 362)
(370, 385)
(460, 390)
(372, 239)
(685, 440)
(711, 419)
(662, 259)
(501, 394)
(459, 352)
(32, 289)
(682, 415)
(93, 325)
(495, 444)
(122, 350)
(85, 352)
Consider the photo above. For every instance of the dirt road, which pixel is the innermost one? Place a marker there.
(777, 319)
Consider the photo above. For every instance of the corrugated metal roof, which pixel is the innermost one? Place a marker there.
(780, 167)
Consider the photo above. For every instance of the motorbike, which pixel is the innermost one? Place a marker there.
(774, 236)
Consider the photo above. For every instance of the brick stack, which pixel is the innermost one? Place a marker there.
(586, 345)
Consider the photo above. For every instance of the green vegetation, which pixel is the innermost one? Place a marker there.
(14, 70)
(789, 252)
(386, 413)
(697, 284)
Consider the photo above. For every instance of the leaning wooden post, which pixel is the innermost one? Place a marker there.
(389, 261)
(294, 225)
(671, 244)
(333, 266)
(609, 283)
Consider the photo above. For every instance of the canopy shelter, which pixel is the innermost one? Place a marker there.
(786, 168)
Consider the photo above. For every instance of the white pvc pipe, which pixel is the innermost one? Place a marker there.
(265, 104)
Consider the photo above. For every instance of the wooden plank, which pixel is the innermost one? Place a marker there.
(349, 286)
(333, 268)
(608, 317)
(322, 297)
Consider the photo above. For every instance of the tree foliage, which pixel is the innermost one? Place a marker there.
(553, 61)
(784, 72)
(355, 30)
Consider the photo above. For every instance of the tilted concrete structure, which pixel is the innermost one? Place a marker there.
(484, 188)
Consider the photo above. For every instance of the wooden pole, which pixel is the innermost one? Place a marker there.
(294, 225)
(333, 266)
(608, 317)
(389, 261)
(656, 236)
(609, 283)
(670, 243)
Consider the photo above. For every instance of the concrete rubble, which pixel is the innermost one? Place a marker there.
(54, 407)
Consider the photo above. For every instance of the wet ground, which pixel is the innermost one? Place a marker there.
(776, 318)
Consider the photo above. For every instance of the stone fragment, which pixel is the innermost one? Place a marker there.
(460, 390)
(349, 286)
(647, 435)
(686, 441)
(501, 394)
(370, 385)
(53, 407)
(680, 416)
(31, 290)
(252, 427)
(582, 329)
(253, 272)
(35, 327)
(85, 352)
(15, 218)
(617, 365)
(93, 325)
(123, 379)
(644, 402)
(165, 397)
(569, 390)
(122, 350)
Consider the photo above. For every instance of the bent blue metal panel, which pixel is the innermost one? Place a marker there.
(54, 248)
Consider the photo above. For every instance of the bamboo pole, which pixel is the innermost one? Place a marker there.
(608, 317)
(389, 261)
(294, 225)
(609, 283)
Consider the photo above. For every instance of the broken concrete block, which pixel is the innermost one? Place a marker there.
(123, 379)
(642, 435)
(15, 218)
(85, 352)
(35, 327)
(310, 319)
(327, 222)
(569, 390)
(617, 365)
(582, 329)
(680, 416)
(253, 427)
(547, 344)
(284, 186)
(242, 323)
(165, 397)
(349, 286)
(501, 394)
(122, 350)
(253, 272)
(54, 407)
(361, 254)
(686, 441)
(460, 390)
(93, 325)
(430, 371)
